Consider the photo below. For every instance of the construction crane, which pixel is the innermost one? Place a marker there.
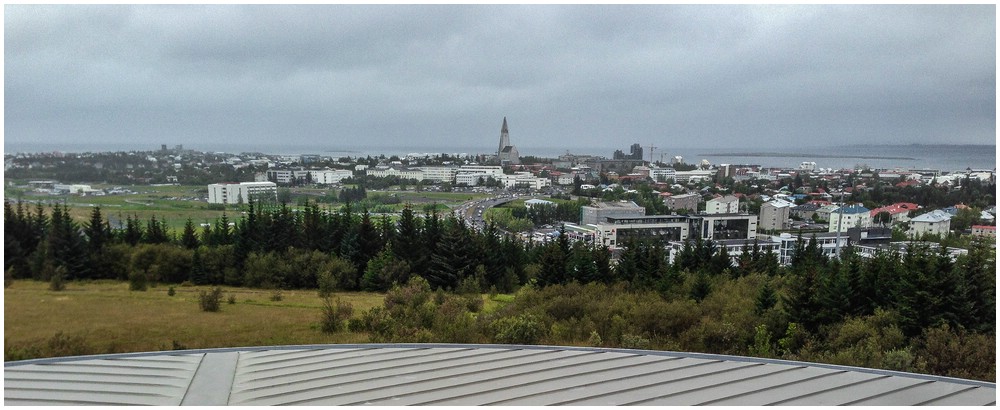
(651, 148)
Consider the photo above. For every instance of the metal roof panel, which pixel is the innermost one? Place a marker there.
(454, 374)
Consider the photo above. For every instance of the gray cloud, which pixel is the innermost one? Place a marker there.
(572, 76)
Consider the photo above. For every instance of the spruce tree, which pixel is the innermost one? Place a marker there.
(189, 239)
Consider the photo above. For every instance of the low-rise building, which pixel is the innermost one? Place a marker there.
(725, 226)
(828, 242)
(614, 232)
(728, 204)
(804, 211)
(401, 172)
(774, 214)
(242, 193)
(854, 216)
(984, 231)
(598, 212)
(936, 222)
(682, 201)
(524, 180)
(898, 212)
(439, 174)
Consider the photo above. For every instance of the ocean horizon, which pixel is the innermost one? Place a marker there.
(944, 157)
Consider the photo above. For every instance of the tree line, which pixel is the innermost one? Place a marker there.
(787, 312)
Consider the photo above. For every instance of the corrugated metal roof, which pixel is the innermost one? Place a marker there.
(419, 374)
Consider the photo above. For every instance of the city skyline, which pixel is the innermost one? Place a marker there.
(663, 75)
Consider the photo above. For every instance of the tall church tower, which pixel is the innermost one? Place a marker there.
(504, 137)
(507, 153)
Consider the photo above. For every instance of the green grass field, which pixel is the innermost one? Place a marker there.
(174, 204)
(105, 317)
(99, 317)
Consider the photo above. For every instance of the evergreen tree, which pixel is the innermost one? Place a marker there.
(66, 245)
(156, 231)
(701, 287)
(765, 299)
(406, 245)
(133, 231)
(189, 239)
(580, 265)
(369, 243)
(978, 271)
(454, 258)
(199, 275)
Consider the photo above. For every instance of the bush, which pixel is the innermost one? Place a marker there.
(335, 313)
(523, 329)
(209, 301)
(58, 282)
(276, 296)
(8, 277)
(171, 291)
(137, 281)
(630, 341)
(232, 299)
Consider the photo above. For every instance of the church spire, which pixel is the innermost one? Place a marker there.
(503, 129)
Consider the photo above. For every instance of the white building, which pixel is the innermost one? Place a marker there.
(493, 171)
(327, 177)
(241, 193)
(470, 179)
(662, 174)
(807, 166)
(936, 222)
(439, 174)
(401, 172)
(828, 244)
(524, 180)
(774, 214)
(846, 217)
(600, 211)
(728, 204)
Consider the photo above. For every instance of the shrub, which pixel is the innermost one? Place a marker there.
(595, 339)
(276, 296)
(335, 313)
(8, 277)
(630, 341)
(58, 282)
(232, 299)
(137, 280)
(209, 301)
(171, 291)
(522, 329)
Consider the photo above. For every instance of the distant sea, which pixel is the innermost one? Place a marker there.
(913, 156)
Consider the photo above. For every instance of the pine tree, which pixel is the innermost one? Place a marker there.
(453, 259)
(66, 245)
(133, 231)
(765, 299)
(189, 239)
(199, 275)
(406, 244)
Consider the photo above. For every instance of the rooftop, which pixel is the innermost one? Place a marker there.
(454, 374)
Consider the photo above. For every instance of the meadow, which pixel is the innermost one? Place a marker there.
(99, 317)
(175, 204)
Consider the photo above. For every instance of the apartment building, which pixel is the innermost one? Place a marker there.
(774, 214)
(242, 193)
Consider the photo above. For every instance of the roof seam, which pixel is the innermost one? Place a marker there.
(828, 389)
(384, 368)
(898, 389)
(776, 386)
(694, 376)
(709, 386)
(363, 371)
(565, 388)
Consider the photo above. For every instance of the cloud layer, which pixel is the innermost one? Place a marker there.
(440, 75)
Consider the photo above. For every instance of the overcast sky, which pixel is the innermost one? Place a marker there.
(564, 76)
